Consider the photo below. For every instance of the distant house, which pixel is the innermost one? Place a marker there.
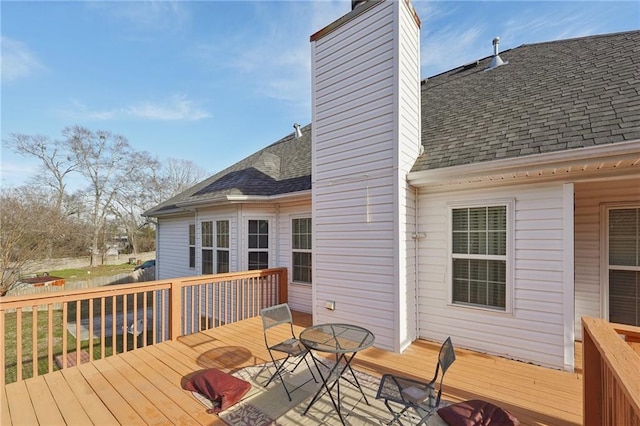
(496, 205)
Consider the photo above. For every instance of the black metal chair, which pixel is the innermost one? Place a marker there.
(276, 320)
(401, 394)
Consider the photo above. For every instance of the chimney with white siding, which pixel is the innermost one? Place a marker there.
(366, 136)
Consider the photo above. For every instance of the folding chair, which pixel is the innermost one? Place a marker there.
(402, 393)
(280, 315)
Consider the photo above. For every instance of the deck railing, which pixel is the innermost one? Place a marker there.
(45, 332)
(611, 373)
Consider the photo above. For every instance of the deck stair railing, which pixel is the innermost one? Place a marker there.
(45, 332)
(611, 369)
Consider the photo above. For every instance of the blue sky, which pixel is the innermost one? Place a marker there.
(214, 81)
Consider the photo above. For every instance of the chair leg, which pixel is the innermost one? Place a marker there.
(310, 369)
(396, 414)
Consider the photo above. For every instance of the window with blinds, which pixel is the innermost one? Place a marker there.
(624, 265)
(479, 256)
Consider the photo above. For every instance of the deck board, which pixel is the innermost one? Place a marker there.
(46, 409)
(87, 398)
(144, 386)
(20, 404)
(110, 396)
(69, 406)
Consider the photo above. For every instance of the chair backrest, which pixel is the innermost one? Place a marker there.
(445, 359)
(446, 356)
(276, 315)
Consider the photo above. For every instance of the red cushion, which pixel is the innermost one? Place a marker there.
(476, 413)
(221, 388)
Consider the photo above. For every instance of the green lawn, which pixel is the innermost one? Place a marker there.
(87, 273)
(26, 362)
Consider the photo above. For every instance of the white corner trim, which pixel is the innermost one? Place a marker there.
(568, 279)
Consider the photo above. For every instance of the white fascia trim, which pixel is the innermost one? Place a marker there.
(262, 198)
(244, 199)
(574, 157)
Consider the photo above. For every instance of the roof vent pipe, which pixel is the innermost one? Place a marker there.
(356, 3)
(496, 61)
(298, 132)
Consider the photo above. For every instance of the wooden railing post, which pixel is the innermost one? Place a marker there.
(3, 361)
(591, 381)
(283, 286)
(611, 390)
(175, 309)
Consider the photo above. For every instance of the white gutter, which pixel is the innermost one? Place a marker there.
(243, 198)
(576, 158)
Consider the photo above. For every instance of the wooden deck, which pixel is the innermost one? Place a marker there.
(144, 386)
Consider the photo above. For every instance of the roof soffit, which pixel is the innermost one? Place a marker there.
(586, 163)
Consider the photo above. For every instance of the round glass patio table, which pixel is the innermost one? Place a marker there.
(344, 341)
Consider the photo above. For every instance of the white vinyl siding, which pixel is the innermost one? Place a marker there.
(299, 294)
(534, 330)
(172, 255)
(365, 139)
(589, 197)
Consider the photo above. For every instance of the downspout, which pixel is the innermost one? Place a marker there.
(416, 267)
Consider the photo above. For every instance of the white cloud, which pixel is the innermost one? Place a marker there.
(16, 172)
(146, 15)
(451, 47)
(275, 57)
(175, 108)
(17, 60)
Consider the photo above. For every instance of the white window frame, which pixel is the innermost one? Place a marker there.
(270, 239)
(293, 250)
(218, 249)
(192, 246)
(509, 254)
(209, 248)
(604, 251)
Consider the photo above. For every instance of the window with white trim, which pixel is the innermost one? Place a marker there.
(192, 245)
(206, 237)
(301, 250)
(258, 244)
(479, 256)
(624, 265)
(222, 246)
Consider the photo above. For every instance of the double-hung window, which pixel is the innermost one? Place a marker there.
(258, 244)
(222, 246)
(623, 265)
(301, 250)
(215, 247)
(479, 256)
(192, 245)
(207, 247)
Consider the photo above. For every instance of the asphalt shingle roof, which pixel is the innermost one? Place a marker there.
(282, 167)
(552, 96)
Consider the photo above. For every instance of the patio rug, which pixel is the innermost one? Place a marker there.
(270, 406)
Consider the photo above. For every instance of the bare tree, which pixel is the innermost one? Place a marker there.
(106, 161)
(135, 196)
(55, 165)
(175, 176)
(28, 220)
